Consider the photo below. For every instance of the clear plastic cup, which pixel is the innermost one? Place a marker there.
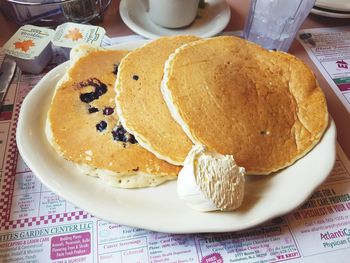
(273, 24)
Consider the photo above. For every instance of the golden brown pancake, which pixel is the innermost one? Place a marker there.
(140, 103)
(84, 128)
(263, 107)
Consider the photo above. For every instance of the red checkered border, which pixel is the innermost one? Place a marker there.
(44, 220)
(8, 177)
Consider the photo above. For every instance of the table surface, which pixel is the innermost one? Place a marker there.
(115, 27)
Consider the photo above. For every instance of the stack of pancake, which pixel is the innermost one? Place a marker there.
(132, 117)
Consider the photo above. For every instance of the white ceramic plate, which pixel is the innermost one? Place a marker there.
(329, 13)
(338, 5)
(212, 20)
(159, 208)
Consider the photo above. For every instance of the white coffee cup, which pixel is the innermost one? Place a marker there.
(173, 13)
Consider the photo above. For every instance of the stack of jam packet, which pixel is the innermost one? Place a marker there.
(31, 46)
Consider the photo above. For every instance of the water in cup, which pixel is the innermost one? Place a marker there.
(274, 23)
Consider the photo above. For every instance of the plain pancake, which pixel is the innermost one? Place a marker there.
(84, 101)
(140, 103)
(263, 107)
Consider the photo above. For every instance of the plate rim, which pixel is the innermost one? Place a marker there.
(329, 13)
(333, 6)
(129, 22)
(49, 182)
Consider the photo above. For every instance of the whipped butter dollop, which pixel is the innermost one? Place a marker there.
(211, 181)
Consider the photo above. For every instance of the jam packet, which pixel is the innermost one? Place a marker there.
(70, 34)
(30, 47)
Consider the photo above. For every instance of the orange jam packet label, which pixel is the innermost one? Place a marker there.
(70, 34)
(28, 42)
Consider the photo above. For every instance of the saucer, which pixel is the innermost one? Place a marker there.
(329, 13)
(211, 20)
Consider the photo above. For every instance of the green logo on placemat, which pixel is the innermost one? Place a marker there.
(342, 80)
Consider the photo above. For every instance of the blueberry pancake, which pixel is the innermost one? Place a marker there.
(140, 104)
(263, 107)
(83, 126)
